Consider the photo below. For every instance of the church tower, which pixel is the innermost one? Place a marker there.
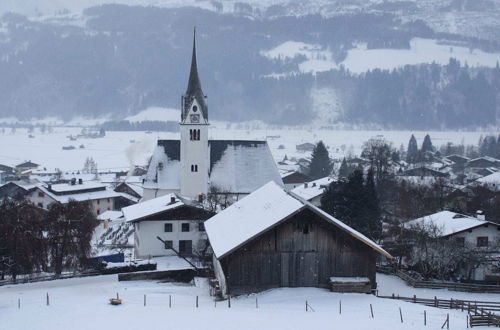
(194, 135)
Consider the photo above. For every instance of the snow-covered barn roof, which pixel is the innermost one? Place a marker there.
(313, 189)
(236, 166)
(447, 222)
(491, 179)
(80, 197)
(260, 211)
(151, 207)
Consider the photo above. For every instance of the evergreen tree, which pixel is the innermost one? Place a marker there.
(427, 144)
(344, 169)
(412, 152)
(321, 165)
(372, 225)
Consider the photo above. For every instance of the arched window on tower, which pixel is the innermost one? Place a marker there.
(191, 134)
(198, 134)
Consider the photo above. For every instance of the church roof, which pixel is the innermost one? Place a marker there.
(236, 166)
(194, 90)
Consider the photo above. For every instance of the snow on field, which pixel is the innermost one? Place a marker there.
(389, 284)
(83, 304)
(156, 114)
(121, 150)
(361, 59)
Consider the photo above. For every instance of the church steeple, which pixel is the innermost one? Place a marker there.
(194, 91)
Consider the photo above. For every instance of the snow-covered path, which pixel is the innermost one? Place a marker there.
(83, 304)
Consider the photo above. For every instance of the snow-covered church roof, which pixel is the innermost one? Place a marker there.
(236, 166)
(260, 211)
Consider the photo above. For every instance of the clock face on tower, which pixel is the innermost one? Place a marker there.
(195, 118)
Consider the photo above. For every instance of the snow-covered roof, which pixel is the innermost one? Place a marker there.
(110, 215)
(236, 166)
(260, 211)
(150, 207)
(490, 179)
(447, 222)
(314, 188)
(68, 187)
(80, 197)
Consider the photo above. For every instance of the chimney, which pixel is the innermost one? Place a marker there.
(480, 215)
(305, 185)
(172, 200)
(200, 198)
(73, 181)
(314, 184)
(80, 181)
(49, 186)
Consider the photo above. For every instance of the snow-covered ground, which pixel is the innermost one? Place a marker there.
(83, 304)
(361, 59)
(121, 150)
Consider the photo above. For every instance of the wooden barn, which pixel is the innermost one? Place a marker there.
(273, 238)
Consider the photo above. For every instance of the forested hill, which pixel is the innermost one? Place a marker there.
(119, 60)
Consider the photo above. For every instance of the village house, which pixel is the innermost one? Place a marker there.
(280, 240)
(99, 195)
(293, 179)
(195, 165)
(179, 223)
(27, 165)
(465, 231)
(314, 190)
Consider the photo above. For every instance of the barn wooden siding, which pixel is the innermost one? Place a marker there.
(304, 250)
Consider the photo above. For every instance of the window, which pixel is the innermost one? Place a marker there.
(109, 201)
(98, 201)
(185, 227)
(98, 212)
(169, 245)
(194, 168)
(40, 205)
(460, 241)
(201, 226)
(41, 194)
(185, 247)
(168, 228)
(482, 241)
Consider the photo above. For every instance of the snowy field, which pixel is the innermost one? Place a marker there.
(121, 150)
(361, 59)
(83, 304)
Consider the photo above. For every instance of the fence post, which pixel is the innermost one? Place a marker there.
(229, 302)
(144, 300)
(256, 302)
(425, 318)
(447, 321)
(340, 306)
(47, 302)
(306, 306)
(169, 301)
(435, 301)
(19, 303)
(117, 296)
(401, 314)
(371, 310)
(196, 301)
(393, 296)
(451, 303)
(414, 298)
(467, 320)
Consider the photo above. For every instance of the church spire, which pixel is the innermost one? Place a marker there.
(194, 90)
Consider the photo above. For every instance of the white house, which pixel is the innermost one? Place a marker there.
(194, 166)
(473, 232)
(179, 223)
(99, 195)
(313, 191)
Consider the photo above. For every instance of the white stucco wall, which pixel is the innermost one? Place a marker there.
(147, 245)
(491, 232)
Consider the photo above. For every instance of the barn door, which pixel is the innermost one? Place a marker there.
(299, 269)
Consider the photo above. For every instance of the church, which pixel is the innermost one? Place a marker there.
(195, 165)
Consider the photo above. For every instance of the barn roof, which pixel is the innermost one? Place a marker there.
(260, 211)
(314, 188)
(236, 166)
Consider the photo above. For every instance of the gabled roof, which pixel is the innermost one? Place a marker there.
(447, 222)
(150, 207)
(490, 179)
(27, 164)
(314, 188)
(260, 211)
(236, 166)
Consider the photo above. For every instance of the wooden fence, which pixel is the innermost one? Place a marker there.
(481, 313)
